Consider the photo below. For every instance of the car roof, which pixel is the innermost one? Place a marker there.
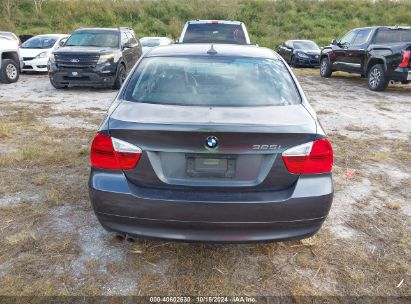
(201, 49)
(201, 21)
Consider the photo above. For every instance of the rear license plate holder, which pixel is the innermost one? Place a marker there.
(210, 166)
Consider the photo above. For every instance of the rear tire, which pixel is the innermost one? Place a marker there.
(121, 76)
(10, 71)
(325, 67)
(377, 80)
(57, 85)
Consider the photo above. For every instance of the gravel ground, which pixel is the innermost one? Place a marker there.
(52, 244)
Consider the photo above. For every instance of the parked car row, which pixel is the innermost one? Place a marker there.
(92, 57)
(381, 54)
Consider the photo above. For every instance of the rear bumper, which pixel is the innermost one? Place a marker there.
(246, 217)
(209, 231)
(401, 74)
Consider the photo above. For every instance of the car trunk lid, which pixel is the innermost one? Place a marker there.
(250, 141)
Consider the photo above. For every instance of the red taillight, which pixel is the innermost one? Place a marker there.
(405, 59)
(214, 22)
(310, 158)
(111, 153)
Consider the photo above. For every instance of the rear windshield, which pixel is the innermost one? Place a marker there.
(214, 33)
(393, 35)
(98, 38)
(212, 81)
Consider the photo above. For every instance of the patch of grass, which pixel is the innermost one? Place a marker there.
(381, 156)
(54, 197)
(393, 206)
(306, 260)
(383, 106)
(355, 128)
(6, 130)
(41, 180)
(20, 236)
(323, 112)
(352, 153)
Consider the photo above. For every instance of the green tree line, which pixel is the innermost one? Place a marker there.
(269, 22)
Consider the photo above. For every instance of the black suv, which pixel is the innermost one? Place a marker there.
(98, 57)
(380, 53)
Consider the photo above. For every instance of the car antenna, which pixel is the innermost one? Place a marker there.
(212, 51)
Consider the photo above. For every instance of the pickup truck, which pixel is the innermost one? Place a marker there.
(380, 53)
(10, 61)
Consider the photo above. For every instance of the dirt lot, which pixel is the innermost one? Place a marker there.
(51, 243)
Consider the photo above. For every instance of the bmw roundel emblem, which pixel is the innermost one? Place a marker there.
(211, 142)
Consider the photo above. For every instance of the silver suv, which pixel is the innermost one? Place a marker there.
(214, 31)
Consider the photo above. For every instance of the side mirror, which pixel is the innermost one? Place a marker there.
(62, 42)
(334, 42)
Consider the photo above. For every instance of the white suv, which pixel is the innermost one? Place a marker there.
(214, 31)
(10, 61)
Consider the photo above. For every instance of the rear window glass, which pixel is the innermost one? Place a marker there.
(212, 81)
(214, 33)
(392, 36)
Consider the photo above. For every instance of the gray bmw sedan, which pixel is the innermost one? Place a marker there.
(211, 143)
